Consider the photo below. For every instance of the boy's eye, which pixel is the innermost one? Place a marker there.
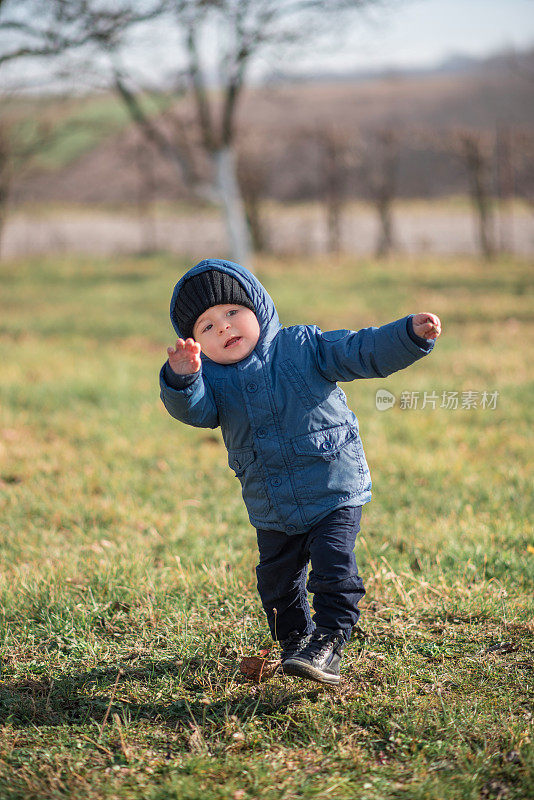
(232, 312)
(208, 326)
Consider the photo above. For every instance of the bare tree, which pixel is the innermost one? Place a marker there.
(333, 143)
(19, 145)
(505, 186)
(252, 172)
(477, 151)
(379, 162)
(140, 156)
(523, 165)
(33, 29)
(246, 31)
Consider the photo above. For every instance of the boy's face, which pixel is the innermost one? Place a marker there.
(227, 333)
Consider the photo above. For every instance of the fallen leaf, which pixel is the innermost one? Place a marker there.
(258, 669)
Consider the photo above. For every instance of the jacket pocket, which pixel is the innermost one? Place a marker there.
(244, 464)
(332, 460)
(325, 443)
(239, 460)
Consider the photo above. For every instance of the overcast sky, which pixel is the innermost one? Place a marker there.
(424, 32)
(403, 33)
(413, 33)
(396, 34)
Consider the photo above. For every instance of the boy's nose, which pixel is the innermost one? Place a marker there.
(224, 326)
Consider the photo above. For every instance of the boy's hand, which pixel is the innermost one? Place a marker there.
(426, 325)
(184, 359)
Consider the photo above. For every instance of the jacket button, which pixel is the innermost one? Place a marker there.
(276, 482)
(325, 445)
(252, 387)
(262, 432)
(291, 528)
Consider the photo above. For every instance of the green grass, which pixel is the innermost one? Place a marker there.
(69, 127)
(127, 587)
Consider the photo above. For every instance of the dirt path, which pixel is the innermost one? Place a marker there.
(419, 229)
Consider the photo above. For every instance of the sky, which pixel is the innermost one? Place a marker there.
(408, 33)
(421, 33)
(391, 34)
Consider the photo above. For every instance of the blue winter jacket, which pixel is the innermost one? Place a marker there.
(291, 439)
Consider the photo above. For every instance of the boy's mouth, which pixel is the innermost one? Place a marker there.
(232, 340)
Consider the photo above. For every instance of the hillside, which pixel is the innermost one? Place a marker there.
(279, 125)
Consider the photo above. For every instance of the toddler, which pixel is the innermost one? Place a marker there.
(292, 441)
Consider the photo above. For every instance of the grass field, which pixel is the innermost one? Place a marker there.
(127, 581)
(67, 127)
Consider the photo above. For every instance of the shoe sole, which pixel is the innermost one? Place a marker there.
(301, 670)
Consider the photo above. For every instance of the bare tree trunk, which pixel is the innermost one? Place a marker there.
(334, 207)
(333, 180)
(251, 174)
(505, 188)
(386, 187)
(254, 222)
(3, 216)
(234, 208)
(477, 164)
(379, 166)
(145, 198)
(385, 241)
(333, 145)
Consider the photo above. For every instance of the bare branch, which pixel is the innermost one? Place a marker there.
(152, 132)
(70, 25)
(199, 91)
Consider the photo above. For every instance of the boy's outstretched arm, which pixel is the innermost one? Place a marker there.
(184, 392)
(376, 352)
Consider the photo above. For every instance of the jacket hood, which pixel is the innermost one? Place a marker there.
(262, 301)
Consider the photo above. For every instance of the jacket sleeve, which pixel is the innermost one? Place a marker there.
(368, 353)
(189, 399)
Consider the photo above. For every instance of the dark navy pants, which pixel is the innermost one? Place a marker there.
(334, 581)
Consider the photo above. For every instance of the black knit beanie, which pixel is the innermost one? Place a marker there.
(210, 288)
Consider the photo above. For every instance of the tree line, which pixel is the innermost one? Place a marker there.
(241, 33)
(214, 158)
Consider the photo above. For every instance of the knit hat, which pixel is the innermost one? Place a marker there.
(210, 288)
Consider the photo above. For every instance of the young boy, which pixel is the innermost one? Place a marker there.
(291, 440)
